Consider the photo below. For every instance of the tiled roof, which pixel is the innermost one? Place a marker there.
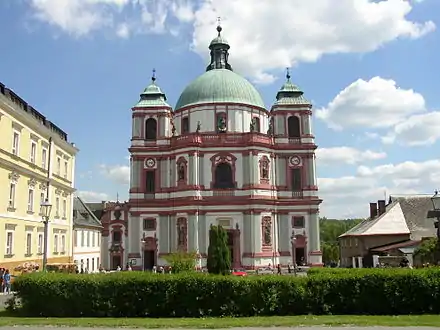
(83, 216)
(404, 215)
(388, 247)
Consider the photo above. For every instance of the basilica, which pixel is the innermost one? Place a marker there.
(220, 157)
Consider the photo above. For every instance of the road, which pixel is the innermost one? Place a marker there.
(280, 328)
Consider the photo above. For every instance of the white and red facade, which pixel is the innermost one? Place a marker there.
(258, 183)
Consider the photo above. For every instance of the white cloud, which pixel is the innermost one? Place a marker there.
(347, 155)
(349, 196)
(120, 174)
(92, 196)
(377, 103)
(263, 37)
(416, 130)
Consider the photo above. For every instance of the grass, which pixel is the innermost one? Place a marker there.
(227, 322)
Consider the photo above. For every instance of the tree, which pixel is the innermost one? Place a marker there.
(330, 230)
(181, 261)
(219, 259)
(427, 250)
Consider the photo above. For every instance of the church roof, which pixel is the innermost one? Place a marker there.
(83, 216)
(410, 214)
(220, 86)
(152, 96)
(290, 94)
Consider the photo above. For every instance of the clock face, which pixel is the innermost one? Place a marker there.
(295, 161)
(150, 162)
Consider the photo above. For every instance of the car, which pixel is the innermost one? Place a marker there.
(265, 271)
(239, 272)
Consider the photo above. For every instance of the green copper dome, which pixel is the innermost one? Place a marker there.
(220, 86)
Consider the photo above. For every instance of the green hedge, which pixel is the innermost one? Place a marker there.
(132, 294)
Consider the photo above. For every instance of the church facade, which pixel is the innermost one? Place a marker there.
(219, 158)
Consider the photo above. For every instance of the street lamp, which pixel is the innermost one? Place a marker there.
(45, 209)
(143, 253)
(293, 240)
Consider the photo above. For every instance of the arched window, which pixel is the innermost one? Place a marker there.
(224, 178)
(293, 127)
(151, 129)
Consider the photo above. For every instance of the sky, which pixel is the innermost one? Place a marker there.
(369, 67)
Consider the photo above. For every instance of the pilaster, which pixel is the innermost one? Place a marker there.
(164, 244)
(193, 232)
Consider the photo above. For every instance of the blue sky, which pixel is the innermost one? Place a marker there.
(368, 66)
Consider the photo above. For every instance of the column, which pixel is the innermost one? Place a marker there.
(163, 234)
(203, 245)
(314, 239)
(246, 233)
(193, 232)
(191, 169)
(246, 173)
(256, 228)
(134, 233)
(173, 233)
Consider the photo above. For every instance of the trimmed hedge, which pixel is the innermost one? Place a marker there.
(132, 294)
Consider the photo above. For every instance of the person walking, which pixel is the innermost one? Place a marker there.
(7, 282)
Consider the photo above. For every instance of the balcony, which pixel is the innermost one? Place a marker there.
(225, 139)
(223, 193)
(297, 194)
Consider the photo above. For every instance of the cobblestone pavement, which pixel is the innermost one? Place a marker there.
(272, 328)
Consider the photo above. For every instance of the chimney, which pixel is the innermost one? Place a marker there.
(382, 208)
(373, 210)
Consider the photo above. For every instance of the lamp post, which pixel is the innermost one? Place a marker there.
(143, 253)
(45, 209)
(436, 205)
(293, 241)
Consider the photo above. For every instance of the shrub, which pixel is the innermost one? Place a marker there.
(133, 294)
(181, 262)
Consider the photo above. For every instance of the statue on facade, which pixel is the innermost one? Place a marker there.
(181, 235)
(173, 128)
(181, 172)
(199, 126)
(252, 125)
(221, 124)
(267, 233)
(265, 170)
(270, 130)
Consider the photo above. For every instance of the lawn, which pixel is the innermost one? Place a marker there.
(292, 321)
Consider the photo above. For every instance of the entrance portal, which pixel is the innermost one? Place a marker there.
(234, 247)
(149, 259)
(116, 261)
(300, 256)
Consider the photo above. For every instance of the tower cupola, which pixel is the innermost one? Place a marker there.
(152, 96)
(290, 94)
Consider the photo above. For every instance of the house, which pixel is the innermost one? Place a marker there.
(37, 163)
(86, 237)
(394, 229)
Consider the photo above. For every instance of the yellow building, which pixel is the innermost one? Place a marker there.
(36, 162)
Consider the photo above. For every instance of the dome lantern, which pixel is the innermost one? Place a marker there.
(219, 47)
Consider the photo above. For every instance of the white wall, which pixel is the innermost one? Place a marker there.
(87, 248)
(239, 118)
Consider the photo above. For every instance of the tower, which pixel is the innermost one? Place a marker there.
(291, 118)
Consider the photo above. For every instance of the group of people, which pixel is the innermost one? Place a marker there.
(5, 281)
